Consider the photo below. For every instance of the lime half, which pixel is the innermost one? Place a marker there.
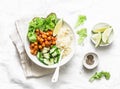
(97, 39)
(57, 27)
(106, 34)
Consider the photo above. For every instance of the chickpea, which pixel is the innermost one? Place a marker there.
(32, 51)
(47, 33)
(50, 33)
(49, 38)
(35, 52)
(40, 46)
(36, 47)
(35, 43)
(44, 36)
(41, 40)
(32, 44)
(43, 44)
(46, 43)
(55, 38)
(53, 42)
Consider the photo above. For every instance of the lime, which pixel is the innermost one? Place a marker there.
(97, 39)
(57, 27)
(102, 29)
(106, 35)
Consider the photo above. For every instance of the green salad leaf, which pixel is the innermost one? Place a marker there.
(43, 24)
(51, 21)
(82, 35)
(81, 20)
(99, 75)
(31, 37)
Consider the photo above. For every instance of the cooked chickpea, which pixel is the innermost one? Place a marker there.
(36, 47)
(43, 44)
(49, 38)
(35, 43)
(46, 43)
(40, 46)
(53, 42)
(32, 51)
(32, 44)
(50, 33)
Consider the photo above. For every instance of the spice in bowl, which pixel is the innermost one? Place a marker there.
(90, 60)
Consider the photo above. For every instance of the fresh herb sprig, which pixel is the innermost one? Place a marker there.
(82, 35)
(99, 75)
(81, 20)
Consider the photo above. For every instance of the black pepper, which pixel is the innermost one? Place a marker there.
(90, 60)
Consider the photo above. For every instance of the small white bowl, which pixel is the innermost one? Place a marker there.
(63, 61)
(95, 59)
(110, 40)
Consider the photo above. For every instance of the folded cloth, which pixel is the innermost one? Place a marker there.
(30, 69)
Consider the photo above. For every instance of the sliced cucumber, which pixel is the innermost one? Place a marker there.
(46, 55)
(56, 59)
(49, 56)
(39, 56)
(53, 48)
(55, 53)
(45, 50)
(52, 61)
(47, 62)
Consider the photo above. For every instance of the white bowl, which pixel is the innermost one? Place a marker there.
(110, 40)
(63, 61)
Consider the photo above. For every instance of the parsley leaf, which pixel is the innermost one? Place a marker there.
(82, 35)
(81, 20)
(99, 75)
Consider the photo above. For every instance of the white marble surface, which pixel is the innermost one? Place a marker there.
(72, 75)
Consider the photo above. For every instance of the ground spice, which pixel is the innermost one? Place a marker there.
(90, 60)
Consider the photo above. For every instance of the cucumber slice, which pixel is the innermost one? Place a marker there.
(52, 61)
(39, 56)
(53, 48)
(45, 50)
(55, 53)
(56, 59)
(46, 55)
(47, 62)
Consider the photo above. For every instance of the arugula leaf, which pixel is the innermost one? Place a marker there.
(81, 20)
(99, 75)
(82, 35)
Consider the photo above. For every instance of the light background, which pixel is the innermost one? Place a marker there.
(72, 76)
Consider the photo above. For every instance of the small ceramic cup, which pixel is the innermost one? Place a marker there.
(90, 60)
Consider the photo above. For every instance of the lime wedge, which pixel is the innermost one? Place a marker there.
(106, 35)
(97, 39)
(57, 27)
(102, 29)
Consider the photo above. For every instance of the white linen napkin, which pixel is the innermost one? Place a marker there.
(30, 69)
